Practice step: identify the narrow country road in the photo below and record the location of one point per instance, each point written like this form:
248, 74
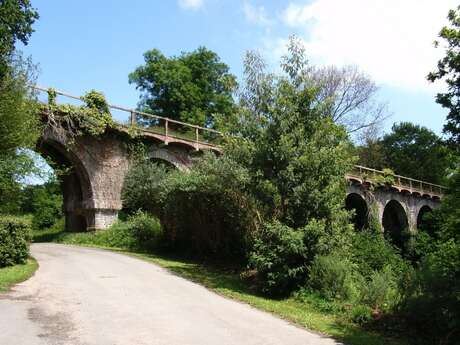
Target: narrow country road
86, 296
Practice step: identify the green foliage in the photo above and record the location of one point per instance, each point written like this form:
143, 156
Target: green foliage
449, 69
92, 119
142, 186
192, 87
361, 314
370, 252
416, 151
17, 17
140, 232
145, 230
333, 277
281, 258
14, 240
296, 157
207, 212
385, 180
44, 202
380, 291
12, 275
433, 298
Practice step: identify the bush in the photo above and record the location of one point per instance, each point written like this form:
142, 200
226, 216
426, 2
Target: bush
139, 232
380, 292
141, 189
370, 252
360, 314
207, 212
44, 202
432, 309
145, 230
14, 240
282, 255
333, 277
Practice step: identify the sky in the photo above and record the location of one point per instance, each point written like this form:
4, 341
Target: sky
82, 45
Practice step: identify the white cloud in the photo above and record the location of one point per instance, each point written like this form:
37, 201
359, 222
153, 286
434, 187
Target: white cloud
191, 4
392, 40
256, 14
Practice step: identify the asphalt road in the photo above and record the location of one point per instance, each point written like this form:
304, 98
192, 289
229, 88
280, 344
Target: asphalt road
87, 296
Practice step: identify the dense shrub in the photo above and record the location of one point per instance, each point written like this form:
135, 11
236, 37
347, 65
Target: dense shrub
207, 213
380, 291
14, 240
44, 202
282, 255
334, 277
141, 188
281, 258
139, 232
370, 252
145, 230
432, 309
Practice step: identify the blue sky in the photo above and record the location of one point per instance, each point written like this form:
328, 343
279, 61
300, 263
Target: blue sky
83, 45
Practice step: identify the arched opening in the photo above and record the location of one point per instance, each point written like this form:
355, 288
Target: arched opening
421, 217
395, 222
74, 181
356, 203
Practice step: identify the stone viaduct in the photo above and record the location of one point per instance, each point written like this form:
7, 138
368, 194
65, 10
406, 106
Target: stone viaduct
92, 187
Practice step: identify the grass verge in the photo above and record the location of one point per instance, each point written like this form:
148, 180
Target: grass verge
12, 275
309, 311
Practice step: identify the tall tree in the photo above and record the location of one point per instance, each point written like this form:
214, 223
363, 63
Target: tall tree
416, 151
191, 87
296, 157
19, 127
449, 70
350, 95
16, 19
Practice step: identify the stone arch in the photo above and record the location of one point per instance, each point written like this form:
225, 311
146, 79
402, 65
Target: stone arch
357, 203
420, 215
172, 157
395, 221
75, 183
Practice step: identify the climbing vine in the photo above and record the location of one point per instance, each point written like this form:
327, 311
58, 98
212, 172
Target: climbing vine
93, 118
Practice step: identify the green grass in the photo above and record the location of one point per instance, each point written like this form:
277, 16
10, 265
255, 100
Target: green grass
308, 312
12, 275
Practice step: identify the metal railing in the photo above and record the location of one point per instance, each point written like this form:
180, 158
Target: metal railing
398, 181
169, 129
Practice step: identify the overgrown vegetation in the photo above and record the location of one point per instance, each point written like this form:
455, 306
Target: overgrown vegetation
270, 209
15, 234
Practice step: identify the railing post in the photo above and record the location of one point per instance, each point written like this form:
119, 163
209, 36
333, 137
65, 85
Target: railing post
196, 134
166, 128
133, 118
410, 185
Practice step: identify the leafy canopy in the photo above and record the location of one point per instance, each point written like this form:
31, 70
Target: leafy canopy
297, 158
17, 17
449, 69
191, 87
416, 151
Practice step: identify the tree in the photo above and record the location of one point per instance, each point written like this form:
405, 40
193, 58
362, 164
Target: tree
416, 151
16, 19
351, 96
296, 157
19, 123
370, 149
191, 87
449, 69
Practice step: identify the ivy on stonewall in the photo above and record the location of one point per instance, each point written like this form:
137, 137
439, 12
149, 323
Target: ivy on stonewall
93, 118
